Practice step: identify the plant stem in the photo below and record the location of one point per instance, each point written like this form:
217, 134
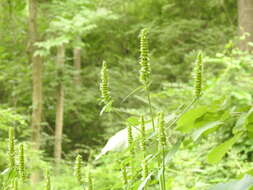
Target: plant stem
150, 108
161, 164
163, 168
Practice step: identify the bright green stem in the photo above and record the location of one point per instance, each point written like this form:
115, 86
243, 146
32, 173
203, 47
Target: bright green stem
163, 169
150, 108
161, 164
132, 170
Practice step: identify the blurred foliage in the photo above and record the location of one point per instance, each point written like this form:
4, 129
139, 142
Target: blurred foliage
108, 30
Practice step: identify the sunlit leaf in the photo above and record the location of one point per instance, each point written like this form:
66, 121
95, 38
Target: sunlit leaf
186, 122
199, 132
218, 152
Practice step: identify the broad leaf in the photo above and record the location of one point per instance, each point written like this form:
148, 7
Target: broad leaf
186, 122
218, 152
199, 132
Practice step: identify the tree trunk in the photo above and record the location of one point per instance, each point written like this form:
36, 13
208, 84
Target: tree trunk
77, 65
245, 23
77, 62
37, 66
59, 105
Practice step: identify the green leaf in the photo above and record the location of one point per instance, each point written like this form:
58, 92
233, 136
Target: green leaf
240, 124
143, 184
133, 121
218, 152
106, 108
243, 184
203, 130
249, 120
186, 122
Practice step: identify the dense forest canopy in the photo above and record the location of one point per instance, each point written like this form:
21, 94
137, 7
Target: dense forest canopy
167, 81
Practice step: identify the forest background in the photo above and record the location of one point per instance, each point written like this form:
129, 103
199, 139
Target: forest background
51, 54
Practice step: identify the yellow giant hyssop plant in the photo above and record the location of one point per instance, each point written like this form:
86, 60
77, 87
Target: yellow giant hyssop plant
127, 137
135, 139
146, 141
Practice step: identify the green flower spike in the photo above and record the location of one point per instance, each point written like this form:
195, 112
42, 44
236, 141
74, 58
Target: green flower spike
144, 58
198, 75
21, 162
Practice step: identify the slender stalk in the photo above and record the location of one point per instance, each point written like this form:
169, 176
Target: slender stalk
161, 148
163, 168
150, 108
131, 152
11, 153
124, 177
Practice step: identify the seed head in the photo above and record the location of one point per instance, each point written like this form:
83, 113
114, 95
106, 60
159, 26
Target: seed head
104, 85
21, 162
144, 58
130, 139
144, 169
198, 75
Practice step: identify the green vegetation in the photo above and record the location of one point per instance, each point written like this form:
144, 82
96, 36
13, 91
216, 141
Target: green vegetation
126, 95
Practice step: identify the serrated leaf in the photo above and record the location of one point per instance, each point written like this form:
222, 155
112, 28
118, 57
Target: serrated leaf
219, 151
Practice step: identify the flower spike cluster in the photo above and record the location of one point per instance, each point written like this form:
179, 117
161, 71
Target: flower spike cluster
21, 162
198, 75
104, 85
162, 133
144, 169
130, 139
144, 58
